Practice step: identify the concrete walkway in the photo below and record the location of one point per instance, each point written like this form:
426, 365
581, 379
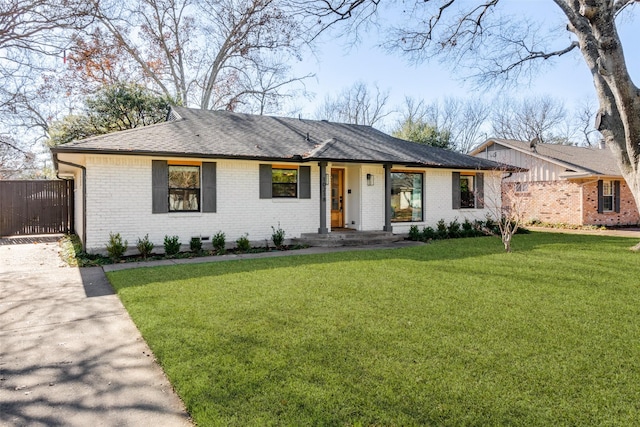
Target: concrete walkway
69, 353
274, 254
614, 232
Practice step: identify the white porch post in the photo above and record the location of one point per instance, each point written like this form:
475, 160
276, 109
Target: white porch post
323, 198
387, 198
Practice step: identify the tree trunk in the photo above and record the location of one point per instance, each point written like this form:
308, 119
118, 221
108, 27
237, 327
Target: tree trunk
593, 23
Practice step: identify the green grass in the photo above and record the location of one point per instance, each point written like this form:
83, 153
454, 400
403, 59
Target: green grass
452, 333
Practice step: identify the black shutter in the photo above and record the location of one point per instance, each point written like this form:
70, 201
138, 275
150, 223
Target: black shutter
600, 198
304, 182
208, 189
455, 189
616, 196
479, 190
160, 186
265, 181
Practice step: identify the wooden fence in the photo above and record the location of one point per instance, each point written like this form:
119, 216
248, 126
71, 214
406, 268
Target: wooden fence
36, 207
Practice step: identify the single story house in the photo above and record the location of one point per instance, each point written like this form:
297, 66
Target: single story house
202, 171
564, 184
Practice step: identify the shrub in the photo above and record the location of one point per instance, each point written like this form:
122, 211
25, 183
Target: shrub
453, 230
428, 233
442, 231
144, 246
195, 244
491, 226
171, 245
277, 237
116, 248
414, 233
467, 229
479, 228
243, 243
219, 242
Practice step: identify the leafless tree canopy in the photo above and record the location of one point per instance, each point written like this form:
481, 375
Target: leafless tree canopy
540, 118
213, 54
357, 104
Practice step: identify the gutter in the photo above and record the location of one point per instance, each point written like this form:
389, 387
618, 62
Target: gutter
57, 161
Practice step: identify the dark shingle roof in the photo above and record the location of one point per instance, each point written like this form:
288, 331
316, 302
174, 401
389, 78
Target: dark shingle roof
579, 159
223, 134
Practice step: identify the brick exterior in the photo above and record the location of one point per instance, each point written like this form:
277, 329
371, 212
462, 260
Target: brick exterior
119, 200
571, 202
628, 210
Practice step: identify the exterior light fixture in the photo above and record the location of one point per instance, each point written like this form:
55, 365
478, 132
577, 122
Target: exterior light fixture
370, 179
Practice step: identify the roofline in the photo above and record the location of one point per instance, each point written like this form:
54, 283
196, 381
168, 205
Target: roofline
582, 175
535, 154
293, 159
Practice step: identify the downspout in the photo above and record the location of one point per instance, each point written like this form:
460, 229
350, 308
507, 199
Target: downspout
84, 193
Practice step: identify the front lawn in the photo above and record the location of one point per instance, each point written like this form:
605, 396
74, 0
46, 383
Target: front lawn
456, 332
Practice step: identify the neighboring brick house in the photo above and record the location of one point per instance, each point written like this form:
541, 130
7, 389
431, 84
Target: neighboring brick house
201, 172
564, 184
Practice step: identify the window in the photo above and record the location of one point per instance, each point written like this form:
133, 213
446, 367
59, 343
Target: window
184, 188
277, 181
468, 190
284, 182
406, 196
521, 187
467, 195
608, 196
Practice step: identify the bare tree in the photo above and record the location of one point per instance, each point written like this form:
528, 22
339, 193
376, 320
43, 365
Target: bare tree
584, 118
210, 53
32, 34
496, 47
507, 204
538, 118
462, 120
357, 104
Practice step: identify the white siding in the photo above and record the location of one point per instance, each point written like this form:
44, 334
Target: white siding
539, 170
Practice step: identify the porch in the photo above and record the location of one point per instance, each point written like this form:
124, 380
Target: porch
337, 238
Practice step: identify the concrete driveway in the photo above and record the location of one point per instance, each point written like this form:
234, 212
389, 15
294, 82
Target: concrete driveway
70, 354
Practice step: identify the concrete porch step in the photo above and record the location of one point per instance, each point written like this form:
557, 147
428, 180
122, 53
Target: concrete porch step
347, 238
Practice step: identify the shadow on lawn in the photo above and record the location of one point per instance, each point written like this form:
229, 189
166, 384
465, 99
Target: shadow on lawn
442, 250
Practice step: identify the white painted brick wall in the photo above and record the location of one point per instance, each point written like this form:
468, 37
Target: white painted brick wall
119, 200
438, 200
372, 198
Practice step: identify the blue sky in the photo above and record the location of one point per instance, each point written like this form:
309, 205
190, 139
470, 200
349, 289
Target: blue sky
338, 66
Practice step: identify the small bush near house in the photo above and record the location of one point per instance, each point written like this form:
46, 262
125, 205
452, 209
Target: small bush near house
490, 226
171, 245
219, 242
428, 233
195, 244
442, 231
414, 233
277, 237
243, 243
116, 248
467, 229
144, 246
453, 231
